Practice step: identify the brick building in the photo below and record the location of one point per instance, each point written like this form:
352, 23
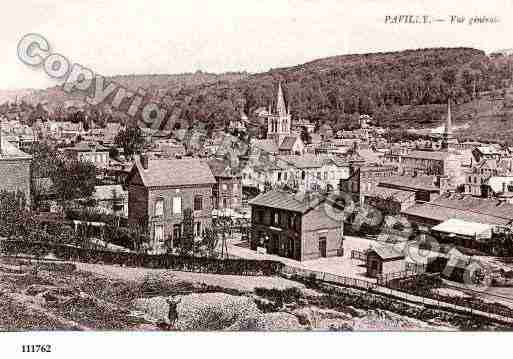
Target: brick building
293, 228
160, 190
15, 168
227, 192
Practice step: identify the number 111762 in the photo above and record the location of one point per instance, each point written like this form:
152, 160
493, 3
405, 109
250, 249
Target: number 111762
36, 348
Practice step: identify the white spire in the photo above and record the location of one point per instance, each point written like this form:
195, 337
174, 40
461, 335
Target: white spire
280, 104
448, 123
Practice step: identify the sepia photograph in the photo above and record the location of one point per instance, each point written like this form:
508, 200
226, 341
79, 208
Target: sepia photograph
318, 167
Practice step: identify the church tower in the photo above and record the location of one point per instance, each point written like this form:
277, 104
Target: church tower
448, 138
279, 120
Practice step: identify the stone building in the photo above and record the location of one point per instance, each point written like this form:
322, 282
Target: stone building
160, 190
15, 168
299, 229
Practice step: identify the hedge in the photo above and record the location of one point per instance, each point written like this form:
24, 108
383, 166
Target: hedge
164, 261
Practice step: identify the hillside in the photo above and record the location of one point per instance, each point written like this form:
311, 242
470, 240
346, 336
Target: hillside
155, 86
407, 88
400, 89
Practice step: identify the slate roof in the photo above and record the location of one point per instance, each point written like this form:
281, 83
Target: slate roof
386, 252
288, 142
173, 172
465, 207
220, 168
385, 193
267, 145
87, 147
283, 200
418, 182
309, 160
430, 155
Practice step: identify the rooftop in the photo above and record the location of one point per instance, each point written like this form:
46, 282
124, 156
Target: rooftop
283, 200
464, 207
426, 183
173, 172
461, 227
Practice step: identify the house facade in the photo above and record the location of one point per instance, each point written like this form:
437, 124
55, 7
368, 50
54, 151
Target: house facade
160, 190
90, 152
283, 225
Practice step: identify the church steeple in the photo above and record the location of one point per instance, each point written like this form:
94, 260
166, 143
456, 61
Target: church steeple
448, 122
447, 136
281, 109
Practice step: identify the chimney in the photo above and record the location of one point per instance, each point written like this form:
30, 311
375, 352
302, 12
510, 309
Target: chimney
144, 161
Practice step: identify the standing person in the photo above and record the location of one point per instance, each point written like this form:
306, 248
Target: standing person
173, 312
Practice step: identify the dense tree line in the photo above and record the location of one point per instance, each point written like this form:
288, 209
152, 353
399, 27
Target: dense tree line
332, 89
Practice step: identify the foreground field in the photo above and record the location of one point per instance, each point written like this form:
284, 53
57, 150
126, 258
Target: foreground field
67, 296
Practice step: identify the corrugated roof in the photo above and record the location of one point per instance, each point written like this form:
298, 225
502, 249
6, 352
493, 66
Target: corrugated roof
173, 172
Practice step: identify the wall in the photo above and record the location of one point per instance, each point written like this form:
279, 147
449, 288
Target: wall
316, 224
187, 194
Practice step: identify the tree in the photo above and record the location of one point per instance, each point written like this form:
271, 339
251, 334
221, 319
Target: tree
73, 179
113, 152
131, 139
210, 239
187, 239
305, 136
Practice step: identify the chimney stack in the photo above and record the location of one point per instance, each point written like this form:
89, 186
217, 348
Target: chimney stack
144, 161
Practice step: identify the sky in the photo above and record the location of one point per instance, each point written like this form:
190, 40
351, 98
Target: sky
168, 36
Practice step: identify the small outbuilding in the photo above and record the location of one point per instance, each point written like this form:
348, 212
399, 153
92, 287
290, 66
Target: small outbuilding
382, 260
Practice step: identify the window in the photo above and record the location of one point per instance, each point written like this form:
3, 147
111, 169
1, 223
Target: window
224, 187
177, 205
235, 188
198, 203
276, 218
225, 202
159, 233
303, 175
279, 176
159, 207
285, 176
198, 228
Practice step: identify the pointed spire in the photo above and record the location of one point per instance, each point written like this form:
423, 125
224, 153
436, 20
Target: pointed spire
448, 123
280, 104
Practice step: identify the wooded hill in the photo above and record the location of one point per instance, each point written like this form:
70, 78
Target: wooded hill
399, 89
